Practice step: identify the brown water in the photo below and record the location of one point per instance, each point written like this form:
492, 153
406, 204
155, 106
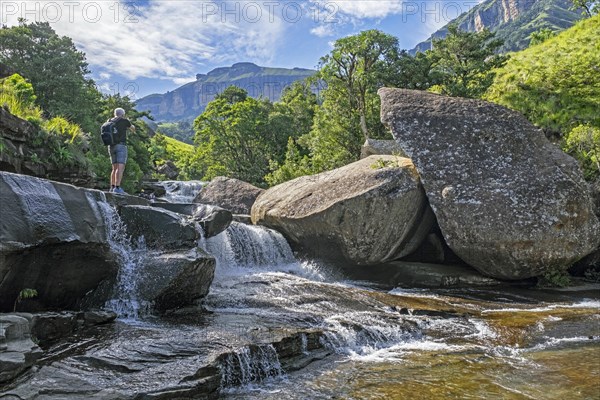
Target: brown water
527, 344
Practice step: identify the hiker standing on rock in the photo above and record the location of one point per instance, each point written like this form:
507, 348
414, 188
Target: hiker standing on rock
118, 150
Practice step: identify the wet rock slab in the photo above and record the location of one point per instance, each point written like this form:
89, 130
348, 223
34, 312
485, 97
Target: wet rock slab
17, 350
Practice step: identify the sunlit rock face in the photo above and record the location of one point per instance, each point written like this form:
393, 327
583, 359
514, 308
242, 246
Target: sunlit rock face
508, 202
371, 211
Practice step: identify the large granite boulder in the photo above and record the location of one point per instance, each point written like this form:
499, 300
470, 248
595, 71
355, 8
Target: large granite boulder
229, 193
17, 351
368, 212
53, 238
508, 202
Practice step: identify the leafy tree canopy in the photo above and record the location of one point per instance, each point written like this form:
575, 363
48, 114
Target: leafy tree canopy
54, 67
463, 62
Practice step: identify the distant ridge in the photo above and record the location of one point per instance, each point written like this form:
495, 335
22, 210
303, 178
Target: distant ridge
511, 20
189, 100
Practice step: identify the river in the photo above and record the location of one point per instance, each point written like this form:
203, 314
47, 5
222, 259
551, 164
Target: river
274, 327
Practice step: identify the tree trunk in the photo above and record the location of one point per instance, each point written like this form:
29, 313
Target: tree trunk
363, 125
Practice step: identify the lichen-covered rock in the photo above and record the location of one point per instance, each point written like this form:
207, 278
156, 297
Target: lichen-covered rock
368, 212
508, 202
229, 193
17, 136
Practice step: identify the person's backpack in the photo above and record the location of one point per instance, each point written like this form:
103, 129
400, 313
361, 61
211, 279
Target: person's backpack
108, 132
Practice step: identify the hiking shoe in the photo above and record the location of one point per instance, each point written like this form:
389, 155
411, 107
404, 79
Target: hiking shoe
111, 190
119, 190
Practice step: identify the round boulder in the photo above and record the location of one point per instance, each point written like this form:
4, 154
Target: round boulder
367, 212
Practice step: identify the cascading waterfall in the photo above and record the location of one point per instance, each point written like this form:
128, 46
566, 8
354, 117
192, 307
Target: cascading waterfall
181, 191
245, 247
362, 333
126, 301
250, 364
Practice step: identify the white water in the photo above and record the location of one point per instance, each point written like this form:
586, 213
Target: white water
244, 249
181, 191
126, 301
250, 365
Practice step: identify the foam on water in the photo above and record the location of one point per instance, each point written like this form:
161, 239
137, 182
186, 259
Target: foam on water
250, 364
181, 191
242, 249
586, 303
126, 301
552, 342
362, 333
398, 352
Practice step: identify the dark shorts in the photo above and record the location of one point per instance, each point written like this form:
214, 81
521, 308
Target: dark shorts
118, 153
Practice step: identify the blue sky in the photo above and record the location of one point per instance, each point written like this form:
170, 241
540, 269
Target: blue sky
144, 47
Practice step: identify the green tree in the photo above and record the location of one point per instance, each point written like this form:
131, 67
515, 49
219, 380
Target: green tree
56, 69
541, 36
294, 113
238, 136
414, 72
589, 7
463, 62
351, 74
356, 67
232, 94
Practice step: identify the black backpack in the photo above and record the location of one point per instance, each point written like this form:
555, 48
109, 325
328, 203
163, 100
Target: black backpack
108, 132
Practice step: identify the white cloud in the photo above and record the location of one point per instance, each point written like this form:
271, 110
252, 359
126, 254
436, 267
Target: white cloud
331, 11
369, 9
162, 39
323, 31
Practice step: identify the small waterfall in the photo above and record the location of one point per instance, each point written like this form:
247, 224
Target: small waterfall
250, 364
181, 191
126, 302
362, 333
248, 246
245, 247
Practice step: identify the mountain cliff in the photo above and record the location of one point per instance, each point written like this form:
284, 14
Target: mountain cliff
189, 100
511, 20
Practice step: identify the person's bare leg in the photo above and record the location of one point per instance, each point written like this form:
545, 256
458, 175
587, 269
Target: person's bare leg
113, 175
120, 168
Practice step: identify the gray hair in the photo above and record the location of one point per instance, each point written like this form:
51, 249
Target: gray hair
119, 112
